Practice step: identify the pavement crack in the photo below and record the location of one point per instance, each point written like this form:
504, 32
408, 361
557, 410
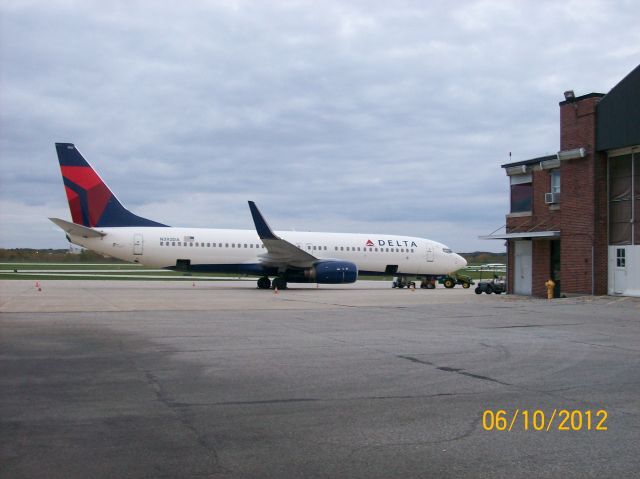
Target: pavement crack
180, 415
515, 326
453, 370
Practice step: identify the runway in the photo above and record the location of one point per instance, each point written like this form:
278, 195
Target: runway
147, 379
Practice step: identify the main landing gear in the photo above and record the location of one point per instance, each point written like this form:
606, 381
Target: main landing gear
266, 283
404, 282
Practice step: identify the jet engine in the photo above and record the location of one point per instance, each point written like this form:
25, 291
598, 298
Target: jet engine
325, 272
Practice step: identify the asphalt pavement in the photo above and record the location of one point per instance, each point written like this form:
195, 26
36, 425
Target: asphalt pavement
221, 380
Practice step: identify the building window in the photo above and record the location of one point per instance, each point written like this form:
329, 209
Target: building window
555, 181
620, 198
621, 259
521, 193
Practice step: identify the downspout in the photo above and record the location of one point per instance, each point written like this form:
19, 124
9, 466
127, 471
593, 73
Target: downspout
593, 272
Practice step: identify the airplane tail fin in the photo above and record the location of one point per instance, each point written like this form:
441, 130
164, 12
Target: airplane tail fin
91, 202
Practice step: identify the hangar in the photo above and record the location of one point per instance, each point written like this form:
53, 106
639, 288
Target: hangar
575, 216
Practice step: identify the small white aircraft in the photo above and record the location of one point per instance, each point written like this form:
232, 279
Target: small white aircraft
102, 224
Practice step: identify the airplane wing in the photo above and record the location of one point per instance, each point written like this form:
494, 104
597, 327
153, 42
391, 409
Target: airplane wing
77, 230
280, 252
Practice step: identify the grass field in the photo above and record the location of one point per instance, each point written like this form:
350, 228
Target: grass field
102, 271
119, 271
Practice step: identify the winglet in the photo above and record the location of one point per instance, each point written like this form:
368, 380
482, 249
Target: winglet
263, 229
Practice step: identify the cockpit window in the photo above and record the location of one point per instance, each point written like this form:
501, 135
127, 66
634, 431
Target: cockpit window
447, 250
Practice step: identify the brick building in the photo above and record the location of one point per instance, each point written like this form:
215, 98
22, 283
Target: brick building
575, 215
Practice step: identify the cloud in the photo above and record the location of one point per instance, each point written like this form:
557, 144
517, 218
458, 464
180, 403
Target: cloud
355, 115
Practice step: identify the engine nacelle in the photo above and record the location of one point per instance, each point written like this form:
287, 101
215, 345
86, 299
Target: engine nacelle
325, 272
335, 272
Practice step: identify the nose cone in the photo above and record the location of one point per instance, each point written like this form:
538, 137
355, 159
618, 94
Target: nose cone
460, 262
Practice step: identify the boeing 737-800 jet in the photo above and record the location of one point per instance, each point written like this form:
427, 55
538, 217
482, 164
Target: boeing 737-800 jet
102, 224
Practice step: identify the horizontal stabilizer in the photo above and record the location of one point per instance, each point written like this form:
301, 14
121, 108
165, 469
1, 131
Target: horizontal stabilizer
77, 230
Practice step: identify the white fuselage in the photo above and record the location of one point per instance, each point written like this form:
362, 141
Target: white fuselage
240, 250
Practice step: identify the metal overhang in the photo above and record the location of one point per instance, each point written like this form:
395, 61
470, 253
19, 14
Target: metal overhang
526, 235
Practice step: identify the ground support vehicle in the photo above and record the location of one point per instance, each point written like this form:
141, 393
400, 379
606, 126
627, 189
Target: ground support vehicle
493, 282
451, 280
428, 282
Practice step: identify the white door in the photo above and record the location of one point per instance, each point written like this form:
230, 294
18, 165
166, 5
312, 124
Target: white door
522, 267
620, 270
137, 244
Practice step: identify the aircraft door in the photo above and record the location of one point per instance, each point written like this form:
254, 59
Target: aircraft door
137, 244
430, 254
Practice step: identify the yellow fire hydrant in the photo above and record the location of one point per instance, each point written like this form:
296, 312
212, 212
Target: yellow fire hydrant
550, 285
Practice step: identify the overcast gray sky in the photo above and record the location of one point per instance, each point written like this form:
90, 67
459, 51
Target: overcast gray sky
355, 116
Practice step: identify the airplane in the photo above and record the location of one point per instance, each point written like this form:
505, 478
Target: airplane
101, 223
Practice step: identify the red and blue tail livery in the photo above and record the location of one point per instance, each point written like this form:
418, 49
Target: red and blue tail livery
91, 202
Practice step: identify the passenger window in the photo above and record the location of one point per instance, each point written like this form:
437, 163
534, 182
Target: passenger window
209, 245
336, 248
173, 243
341, 248
161, 244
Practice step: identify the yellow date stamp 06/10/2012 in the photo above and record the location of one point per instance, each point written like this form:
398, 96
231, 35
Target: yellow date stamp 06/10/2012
539, 420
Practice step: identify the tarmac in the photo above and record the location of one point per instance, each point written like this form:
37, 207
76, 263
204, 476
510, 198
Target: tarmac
221, 380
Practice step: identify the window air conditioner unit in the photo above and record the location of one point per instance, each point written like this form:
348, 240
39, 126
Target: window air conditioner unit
551, 198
